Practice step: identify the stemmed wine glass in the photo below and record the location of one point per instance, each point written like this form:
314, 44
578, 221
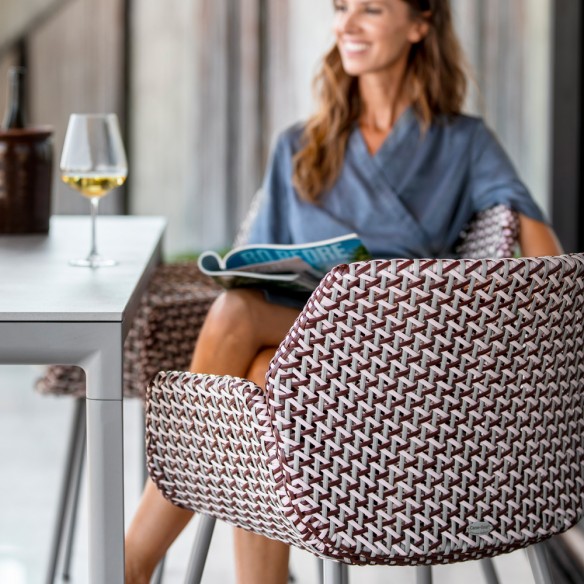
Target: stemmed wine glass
93, 162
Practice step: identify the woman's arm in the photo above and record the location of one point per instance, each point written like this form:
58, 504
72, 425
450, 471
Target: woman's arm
537, 238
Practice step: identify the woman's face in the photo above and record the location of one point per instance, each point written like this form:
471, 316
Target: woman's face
375, 35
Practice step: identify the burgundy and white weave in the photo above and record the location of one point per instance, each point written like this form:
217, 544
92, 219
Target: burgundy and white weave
163, 333
493, 233
418, 411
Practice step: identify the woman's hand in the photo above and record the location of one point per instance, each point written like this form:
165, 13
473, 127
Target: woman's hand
537, 238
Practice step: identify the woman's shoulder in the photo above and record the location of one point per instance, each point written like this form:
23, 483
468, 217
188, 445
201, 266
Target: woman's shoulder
468, 131
462, 124
289, 140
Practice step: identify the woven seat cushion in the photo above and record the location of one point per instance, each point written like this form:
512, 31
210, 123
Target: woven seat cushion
421, 411
163, 333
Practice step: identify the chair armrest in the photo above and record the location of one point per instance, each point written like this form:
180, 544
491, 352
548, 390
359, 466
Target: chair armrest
210, 448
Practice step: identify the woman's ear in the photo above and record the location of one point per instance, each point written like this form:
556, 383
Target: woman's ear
420, 28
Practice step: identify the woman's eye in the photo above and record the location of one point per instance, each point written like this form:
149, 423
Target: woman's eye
340, 8
372, 10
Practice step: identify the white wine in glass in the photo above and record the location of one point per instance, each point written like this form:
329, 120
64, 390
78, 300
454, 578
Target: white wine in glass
93, 162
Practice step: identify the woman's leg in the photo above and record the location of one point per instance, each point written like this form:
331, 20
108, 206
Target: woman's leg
239, 324
258, 559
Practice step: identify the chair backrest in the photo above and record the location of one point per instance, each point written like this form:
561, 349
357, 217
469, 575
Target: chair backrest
433, 410
492, 233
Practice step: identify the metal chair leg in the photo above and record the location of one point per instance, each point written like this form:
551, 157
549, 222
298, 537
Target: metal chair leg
64, 497
74, 505
159, 572
537, 555
489, 572
345, 574
200, 549
423, 574
332, 572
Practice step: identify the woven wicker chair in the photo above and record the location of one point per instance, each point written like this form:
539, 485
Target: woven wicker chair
418, 412
164, 331
164, 334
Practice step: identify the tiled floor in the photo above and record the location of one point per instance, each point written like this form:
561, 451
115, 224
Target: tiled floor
33, 435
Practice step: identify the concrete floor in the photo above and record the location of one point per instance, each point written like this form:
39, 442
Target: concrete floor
33, 437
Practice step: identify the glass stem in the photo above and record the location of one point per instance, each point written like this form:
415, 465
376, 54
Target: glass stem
94, 205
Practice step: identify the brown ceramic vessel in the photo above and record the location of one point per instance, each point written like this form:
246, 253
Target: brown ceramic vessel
26, 165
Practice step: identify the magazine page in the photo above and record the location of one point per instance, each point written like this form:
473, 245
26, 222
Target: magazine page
297, 268
321, 255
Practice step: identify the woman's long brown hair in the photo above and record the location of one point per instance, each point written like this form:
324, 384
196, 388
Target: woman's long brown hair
435, 82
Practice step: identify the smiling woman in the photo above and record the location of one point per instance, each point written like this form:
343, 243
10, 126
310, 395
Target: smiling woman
388, 155
389, 54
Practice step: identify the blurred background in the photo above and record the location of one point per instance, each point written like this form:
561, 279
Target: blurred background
203, 86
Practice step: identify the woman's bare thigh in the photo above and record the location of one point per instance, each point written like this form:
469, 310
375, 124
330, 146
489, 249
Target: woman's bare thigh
239, 324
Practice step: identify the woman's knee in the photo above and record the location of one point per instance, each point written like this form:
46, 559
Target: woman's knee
233, 313
260, 365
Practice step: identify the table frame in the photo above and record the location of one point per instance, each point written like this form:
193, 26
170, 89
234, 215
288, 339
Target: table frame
97, 347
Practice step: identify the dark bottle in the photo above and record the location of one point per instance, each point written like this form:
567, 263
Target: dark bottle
15, 117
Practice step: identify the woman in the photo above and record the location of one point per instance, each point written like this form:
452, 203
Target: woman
389, 156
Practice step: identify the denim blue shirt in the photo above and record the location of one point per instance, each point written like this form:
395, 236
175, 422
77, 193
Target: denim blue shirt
410, 199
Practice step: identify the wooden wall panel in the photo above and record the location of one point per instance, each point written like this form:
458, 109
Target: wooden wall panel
508, 45
19, 17
212, 127
76, 66
251, 155
164, 45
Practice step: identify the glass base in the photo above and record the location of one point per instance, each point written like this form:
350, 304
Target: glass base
93, 261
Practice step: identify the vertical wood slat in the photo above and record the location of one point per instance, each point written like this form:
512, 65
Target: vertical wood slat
212, 123
508, 48
76, 66
280, 81
251, 155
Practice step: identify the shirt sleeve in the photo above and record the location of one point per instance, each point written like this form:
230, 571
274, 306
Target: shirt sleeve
493, 179
270, 223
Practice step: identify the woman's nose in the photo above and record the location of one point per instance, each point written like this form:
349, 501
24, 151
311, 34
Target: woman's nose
349, 22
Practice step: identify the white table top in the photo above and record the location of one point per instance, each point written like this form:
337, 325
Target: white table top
38, 284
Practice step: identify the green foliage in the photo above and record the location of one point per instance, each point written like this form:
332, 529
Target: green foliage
360, 254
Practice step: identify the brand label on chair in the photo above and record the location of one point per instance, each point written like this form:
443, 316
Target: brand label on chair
479, 528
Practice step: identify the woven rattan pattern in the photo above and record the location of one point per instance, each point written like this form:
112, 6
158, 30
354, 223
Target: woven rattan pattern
210, 447
411, 402
492, 233
417, 401
163, 333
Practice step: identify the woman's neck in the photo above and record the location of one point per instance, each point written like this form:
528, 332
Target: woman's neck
383, 99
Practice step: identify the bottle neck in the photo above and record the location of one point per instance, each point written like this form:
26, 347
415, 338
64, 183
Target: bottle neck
14, 117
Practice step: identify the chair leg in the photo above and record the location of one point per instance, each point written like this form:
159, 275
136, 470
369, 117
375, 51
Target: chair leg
423, 574
537, 555
74, 505
489, 572
345, 574
159, 572
200, 549
64, 497
332, 572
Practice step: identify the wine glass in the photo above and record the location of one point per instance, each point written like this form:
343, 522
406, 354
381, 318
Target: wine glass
93, 162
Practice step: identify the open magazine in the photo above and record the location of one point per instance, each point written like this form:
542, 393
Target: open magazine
294, 268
